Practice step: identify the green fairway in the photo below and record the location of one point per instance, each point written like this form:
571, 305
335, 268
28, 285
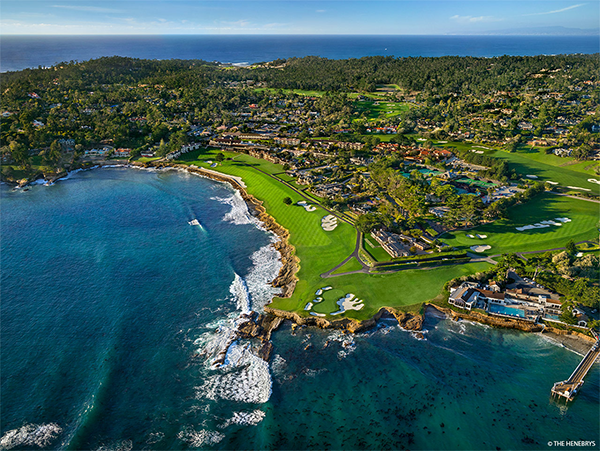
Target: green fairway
380, 109
503, 237
398, 290
319, 251
550, 168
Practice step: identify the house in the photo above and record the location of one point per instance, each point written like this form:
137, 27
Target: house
122, 153
147, 153
466, 296
391, 243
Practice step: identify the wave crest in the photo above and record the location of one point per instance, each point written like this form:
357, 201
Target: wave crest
40, 435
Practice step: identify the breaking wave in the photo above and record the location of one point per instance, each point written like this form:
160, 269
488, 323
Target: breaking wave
266, 265
122, 445
244, 377
239, 213
40, 435
244, 419
200, 438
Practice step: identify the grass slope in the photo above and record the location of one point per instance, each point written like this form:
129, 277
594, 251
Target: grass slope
503, 237
401, 290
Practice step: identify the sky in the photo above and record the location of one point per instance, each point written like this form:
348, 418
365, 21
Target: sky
392, 17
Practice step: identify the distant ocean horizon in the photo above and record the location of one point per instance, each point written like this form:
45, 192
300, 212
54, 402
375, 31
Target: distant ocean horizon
29, 51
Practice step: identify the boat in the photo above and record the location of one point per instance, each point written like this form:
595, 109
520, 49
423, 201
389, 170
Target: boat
194, 222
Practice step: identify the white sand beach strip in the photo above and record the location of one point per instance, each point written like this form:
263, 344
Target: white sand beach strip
480, 248
329, 223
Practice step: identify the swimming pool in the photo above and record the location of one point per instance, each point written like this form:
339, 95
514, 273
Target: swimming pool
502, 309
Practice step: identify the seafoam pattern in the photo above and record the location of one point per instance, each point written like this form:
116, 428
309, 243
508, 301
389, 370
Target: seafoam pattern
40, 435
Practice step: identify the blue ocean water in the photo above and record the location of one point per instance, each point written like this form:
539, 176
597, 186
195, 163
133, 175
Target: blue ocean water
20, 52
114, 307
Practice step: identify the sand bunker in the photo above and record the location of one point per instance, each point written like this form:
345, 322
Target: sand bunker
307, 207
481, 237
543, 224
329, 223
317, 314
529, 176
579, 188
594, 181
480, 248
348, 302
551, 182
308, 306
470, 236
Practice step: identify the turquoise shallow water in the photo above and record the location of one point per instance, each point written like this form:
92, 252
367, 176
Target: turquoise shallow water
113, 308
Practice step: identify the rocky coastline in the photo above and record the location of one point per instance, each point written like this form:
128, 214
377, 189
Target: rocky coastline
260, 326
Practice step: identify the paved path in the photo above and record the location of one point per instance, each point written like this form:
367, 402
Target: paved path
354, 254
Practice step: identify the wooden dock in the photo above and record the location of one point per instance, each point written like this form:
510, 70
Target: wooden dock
568, 389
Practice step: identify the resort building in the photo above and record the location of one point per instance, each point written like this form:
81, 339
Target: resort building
391, 243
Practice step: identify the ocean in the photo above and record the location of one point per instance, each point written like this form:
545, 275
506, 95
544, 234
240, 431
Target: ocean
114, 307
20, 52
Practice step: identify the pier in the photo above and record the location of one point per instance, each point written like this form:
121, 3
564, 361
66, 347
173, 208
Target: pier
568, 389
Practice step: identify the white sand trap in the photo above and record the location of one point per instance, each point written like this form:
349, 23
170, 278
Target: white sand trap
326, 288
529, 176
442, 142
470, 236
307, 206
348, 302
317, 314
308, 306
483, 147
579, 188
329, 223
481, 237
319, 292
318, 299
543, 224
594, 181
579, 254
551, 182
480, 248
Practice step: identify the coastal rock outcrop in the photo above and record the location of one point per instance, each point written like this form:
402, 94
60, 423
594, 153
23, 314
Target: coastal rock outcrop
507, 323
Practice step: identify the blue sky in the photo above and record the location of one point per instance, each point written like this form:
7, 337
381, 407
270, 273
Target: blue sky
291, 17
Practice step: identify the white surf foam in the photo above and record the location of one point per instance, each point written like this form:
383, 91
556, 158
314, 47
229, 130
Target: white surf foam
40, 435
244, 419
200, 438
239, 291
243, 378
266, 265
122, 445
239, 213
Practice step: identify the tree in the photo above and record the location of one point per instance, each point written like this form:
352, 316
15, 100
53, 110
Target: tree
287, 200
220, 157
19, 153
571, 248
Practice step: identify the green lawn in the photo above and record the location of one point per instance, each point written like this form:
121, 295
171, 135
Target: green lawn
376, 251
350, 265
399, 290
503, 237
549, 168
319, 251
301, 92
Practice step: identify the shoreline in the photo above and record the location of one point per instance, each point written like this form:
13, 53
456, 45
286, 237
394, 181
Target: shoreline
286, 279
